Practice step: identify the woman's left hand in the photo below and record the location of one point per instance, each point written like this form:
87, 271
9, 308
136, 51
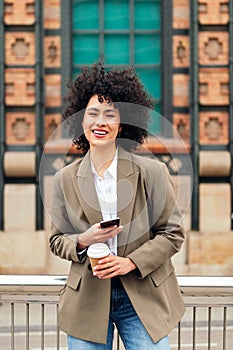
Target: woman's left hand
113, 266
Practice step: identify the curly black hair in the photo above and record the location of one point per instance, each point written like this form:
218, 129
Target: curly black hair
123, 88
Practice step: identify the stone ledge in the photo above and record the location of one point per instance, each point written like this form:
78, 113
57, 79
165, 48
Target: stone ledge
210, 248
23, 252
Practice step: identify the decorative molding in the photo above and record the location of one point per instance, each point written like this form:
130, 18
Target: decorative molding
52, 14
213, 128
52, 122
19, 12
213, 48
181, 51
20, 128
53, 90
20, 48
182, 124
181, 14
216, 13
20, 87
181, 90
214, 86
52, 51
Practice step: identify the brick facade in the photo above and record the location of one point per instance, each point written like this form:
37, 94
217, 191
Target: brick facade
213, 14
34, 103
19, 12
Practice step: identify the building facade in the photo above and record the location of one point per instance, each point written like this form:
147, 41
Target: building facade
182, 51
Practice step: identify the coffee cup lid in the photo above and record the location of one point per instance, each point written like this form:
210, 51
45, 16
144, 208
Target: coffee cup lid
98, 250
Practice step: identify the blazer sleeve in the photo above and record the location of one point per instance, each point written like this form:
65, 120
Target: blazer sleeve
167, 229
63, 239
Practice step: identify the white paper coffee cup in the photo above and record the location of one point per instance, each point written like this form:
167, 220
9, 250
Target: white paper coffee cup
96, 252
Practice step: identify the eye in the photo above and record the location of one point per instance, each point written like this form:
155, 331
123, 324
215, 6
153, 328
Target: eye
110, 115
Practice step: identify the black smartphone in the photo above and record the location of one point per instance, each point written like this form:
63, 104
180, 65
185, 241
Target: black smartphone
108, 223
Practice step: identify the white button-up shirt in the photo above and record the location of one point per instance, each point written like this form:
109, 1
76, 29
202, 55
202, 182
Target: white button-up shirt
106, 189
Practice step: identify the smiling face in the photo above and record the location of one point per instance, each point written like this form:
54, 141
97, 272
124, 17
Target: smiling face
101, 123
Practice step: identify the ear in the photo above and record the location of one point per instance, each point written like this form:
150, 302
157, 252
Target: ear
119, 131
82, 123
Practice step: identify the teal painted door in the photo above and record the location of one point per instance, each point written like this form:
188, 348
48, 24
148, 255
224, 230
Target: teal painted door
123, 32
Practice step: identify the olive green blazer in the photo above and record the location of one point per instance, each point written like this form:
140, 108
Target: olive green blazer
152, 234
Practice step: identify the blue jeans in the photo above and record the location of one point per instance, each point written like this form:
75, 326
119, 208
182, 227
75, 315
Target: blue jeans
130, 328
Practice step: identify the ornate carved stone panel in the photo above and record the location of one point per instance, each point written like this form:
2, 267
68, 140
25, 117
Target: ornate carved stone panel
181, 90
214, 86
181, 49
213, 12
52, 51
52, 14
20, 86
20, 48
182, 124
213, 128
181, 14
20, 128
52, 121
213, 48
19, 12
53, 90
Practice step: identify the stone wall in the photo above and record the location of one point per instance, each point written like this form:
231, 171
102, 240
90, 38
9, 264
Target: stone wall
24, 246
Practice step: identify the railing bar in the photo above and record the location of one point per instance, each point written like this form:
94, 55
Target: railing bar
42, 326
179, 336
224, 327
20, 301
209, 327
208, 305
58, 332
12, 326
194, 304
27, 326
194, 328
187, 304
207, 300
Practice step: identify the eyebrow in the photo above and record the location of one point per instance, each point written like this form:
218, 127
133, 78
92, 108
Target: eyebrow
97, 110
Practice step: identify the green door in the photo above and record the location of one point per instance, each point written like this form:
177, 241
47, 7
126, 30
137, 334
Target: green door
123, 32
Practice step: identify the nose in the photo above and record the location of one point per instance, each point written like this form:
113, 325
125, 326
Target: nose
100, 121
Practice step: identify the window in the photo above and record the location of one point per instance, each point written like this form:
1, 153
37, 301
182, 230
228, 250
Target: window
123, 32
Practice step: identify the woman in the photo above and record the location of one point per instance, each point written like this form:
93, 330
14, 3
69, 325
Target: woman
134, 288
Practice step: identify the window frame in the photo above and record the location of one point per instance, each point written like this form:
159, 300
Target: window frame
166, 51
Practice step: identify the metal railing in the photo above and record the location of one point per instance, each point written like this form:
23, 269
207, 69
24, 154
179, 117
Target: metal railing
28, 314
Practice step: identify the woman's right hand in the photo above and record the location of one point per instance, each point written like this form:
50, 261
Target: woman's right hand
96, 234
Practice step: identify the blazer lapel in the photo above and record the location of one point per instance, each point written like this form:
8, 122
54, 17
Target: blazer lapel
127, 180
86, 192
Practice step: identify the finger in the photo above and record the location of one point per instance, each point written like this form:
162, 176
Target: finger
108, 229
106, 272
109, 275
112, 228
108, 259
102, 267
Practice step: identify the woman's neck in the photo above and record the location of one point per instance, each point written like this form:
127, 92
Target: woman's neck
102, 158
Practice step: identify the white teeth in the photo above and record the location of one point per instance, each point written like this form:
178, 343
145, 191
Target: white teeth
98, 132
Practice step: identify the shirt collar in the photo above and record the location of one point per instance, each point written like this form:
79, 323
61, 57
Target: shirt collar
111, 170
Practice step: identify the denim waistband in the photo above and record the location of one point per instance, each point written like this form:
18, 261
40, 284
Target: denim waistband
116, 283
